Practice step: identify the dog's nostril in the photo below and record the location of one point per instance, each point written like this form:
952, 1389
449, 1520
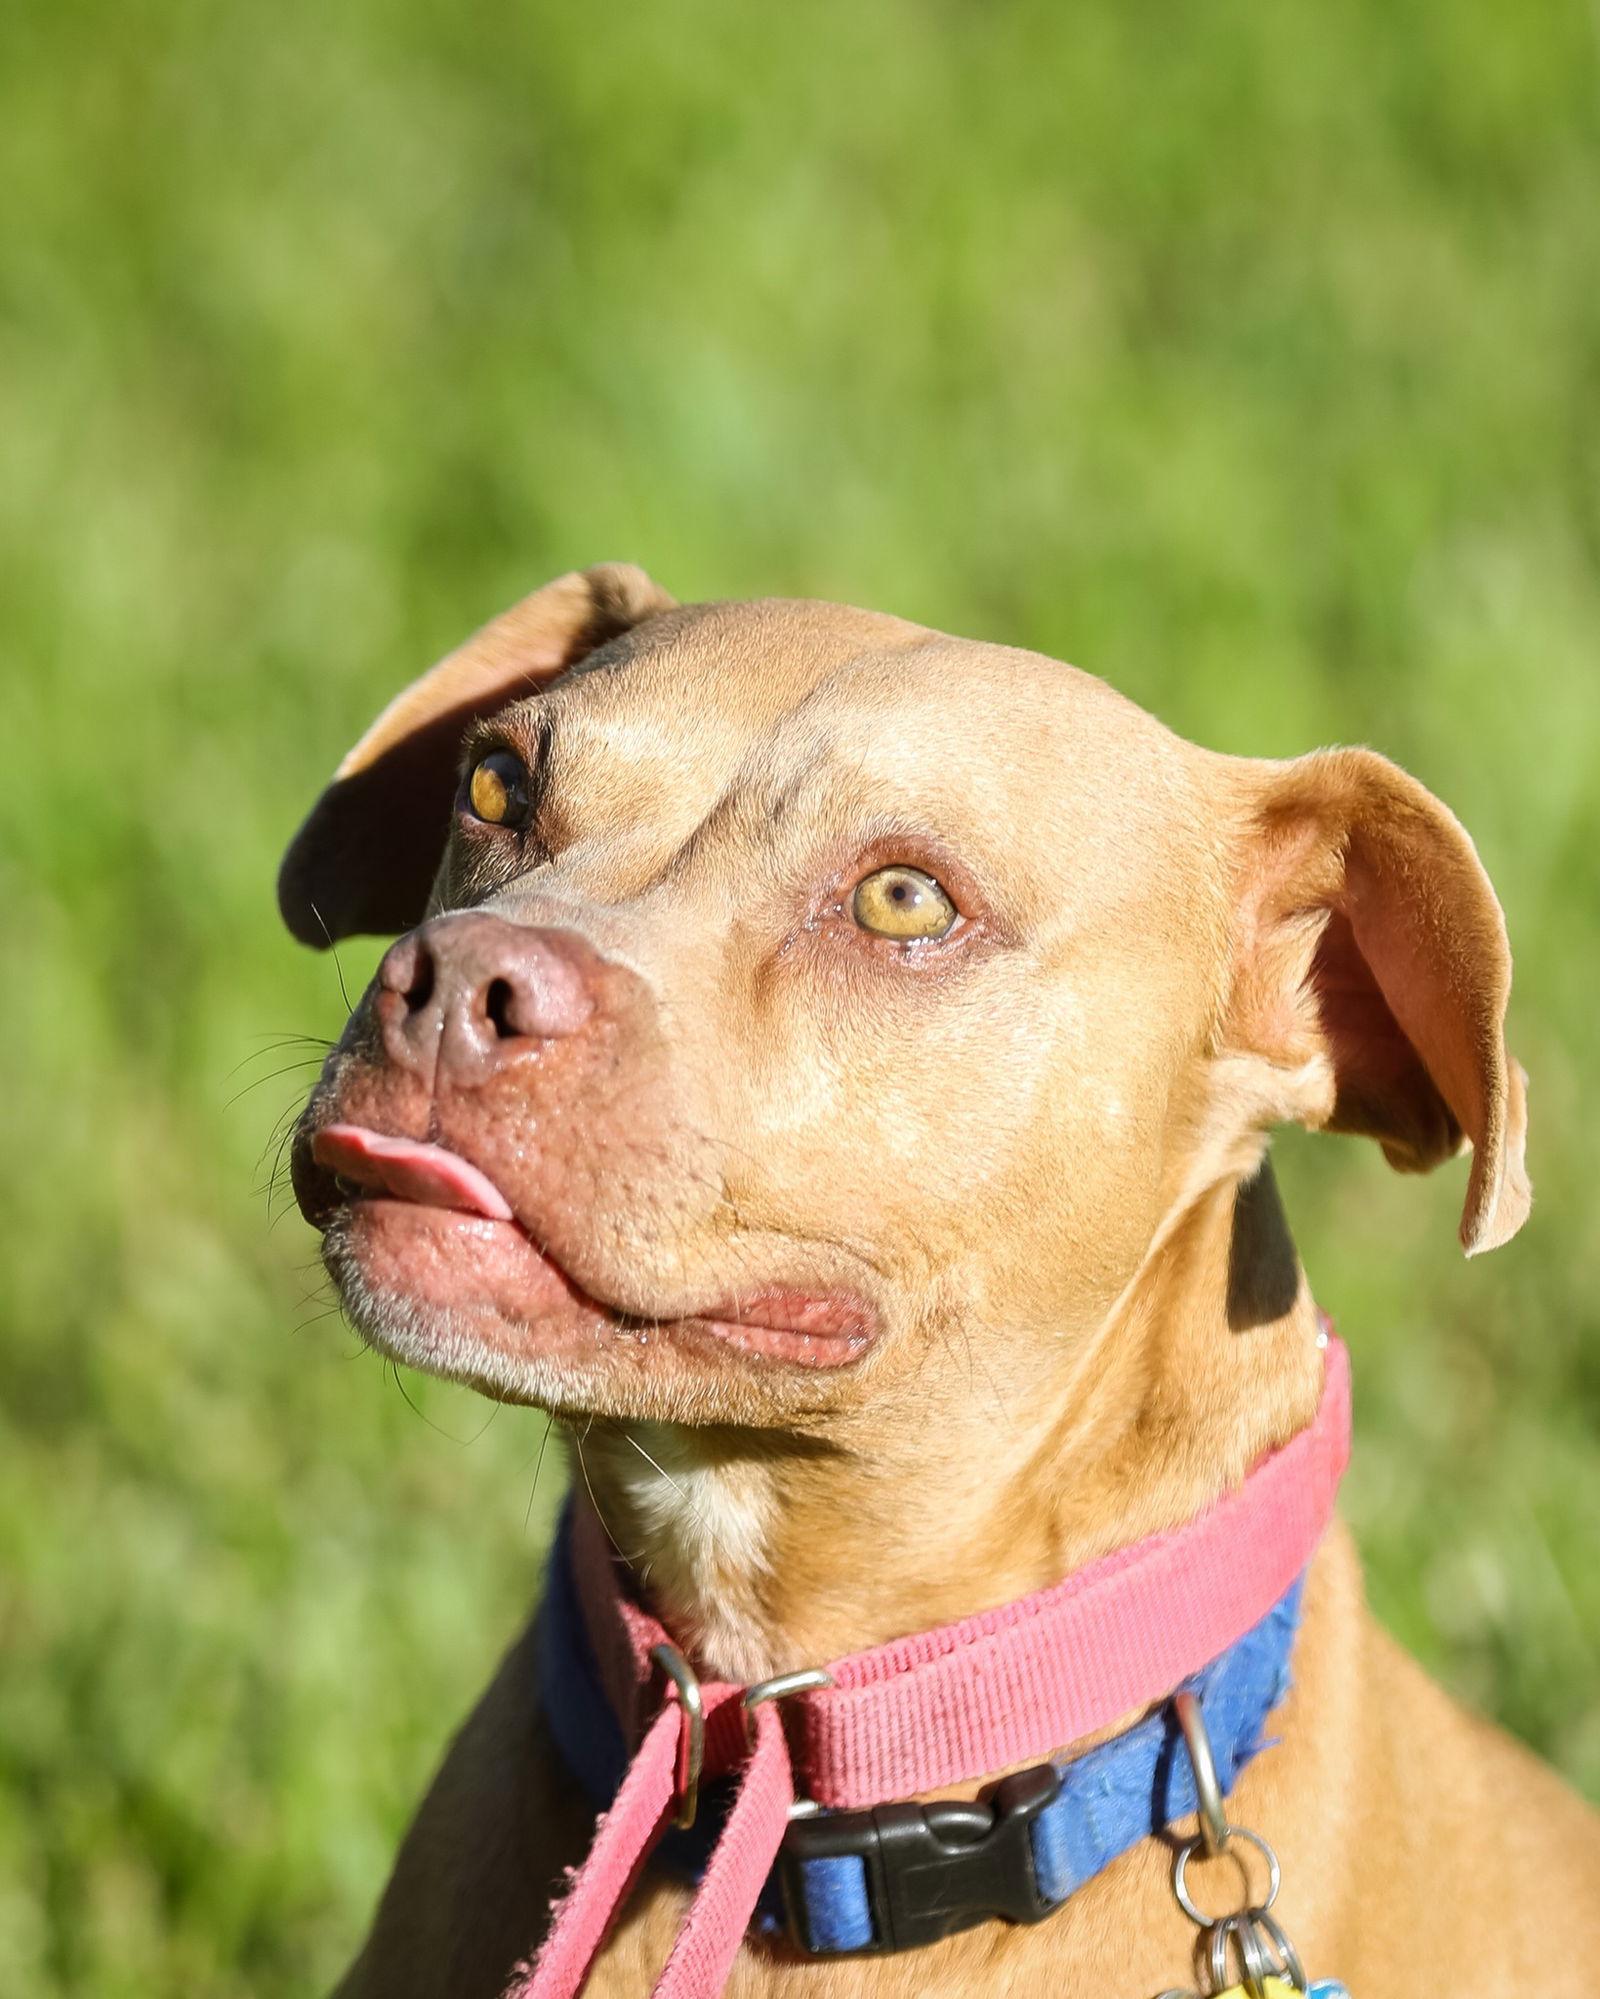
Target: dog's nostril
497, 1007
420, 990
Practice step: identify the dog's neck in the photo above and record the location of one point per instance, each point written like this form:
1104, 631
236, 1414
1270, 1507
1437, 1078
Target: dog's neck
763, 1552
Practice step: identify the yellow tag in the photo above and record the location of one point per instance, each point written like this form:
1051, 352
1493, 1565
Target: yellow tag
1274, 1988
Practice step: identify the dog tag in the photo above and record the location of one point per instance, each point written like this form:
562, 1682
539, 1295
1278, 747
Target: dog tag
1280, 1988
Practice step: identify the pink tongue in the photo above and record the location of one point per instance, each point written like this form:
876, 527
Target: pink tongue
411, 1171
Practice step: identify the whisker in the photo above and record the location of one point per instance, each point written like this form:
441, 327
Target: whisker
288, 1069
549, 1421
333, 946
273, 1044
494, 1410
583, 1467
662, 1472
316, 1319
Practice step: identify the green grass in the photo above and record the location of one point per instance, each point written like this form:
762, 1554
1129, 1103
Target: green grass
1249, 356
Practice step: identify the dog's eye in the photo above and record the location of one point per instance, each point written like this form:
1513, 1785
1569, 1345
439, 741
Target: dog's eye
903, 903
498, 789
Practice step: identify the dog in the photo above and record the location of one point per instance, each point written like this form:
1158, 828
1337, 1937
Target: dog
829, 1065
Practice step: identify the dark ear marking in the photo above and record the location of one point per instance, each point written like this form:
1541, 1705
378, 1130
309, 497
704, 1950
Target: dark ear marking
1263, 1267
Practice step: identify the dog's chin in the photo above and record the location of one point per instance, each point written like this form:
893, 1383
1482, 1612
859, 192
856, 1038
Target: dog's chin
476, 1301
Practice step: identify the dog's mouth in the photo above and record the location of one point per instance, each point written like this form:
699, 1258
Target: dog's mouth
428, 1227
367, 1163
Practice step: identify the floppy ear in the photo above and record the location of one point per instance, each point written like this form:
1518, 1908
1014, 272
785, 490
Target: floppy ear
1374, 971
366, 856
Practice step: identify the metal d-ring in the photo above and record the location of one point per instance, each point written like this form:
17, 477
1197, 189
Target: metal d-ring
1207, 1788
778, 1688
1256, 1937
691, 1731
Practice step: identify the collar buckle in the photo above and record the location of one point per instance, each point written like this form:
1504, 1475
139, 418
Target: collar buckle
929, 1870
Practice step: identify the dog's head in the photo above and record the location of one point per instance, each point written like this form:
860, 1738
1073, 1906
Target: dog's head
792, 991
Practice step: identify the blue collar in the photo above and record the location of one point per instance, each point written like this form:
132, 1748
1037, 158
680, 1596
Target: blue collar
1101, 1804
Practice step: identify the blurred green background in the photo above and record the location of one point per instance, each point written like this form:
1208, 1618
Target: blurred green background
1249, 356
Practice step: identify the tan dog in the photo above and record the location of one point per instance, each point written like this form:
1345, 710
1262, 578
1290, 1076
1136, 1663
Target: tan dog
874, 1036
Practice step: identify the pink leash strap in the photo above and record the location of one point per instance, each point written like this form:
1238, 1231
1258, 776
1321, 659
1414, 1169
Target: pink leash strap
1009, 1686
709, 1941
622, 1842
740, 1862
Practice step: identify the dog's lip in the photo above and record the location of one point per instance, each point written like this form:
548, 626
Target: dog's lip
409, 1170
780, 1322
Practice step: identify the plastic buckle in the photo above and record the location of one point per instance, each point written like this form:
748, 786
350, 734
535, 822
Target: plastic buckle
930, 1869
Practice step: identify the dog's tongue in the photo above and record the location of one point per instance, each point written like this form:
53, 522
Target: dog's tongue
409, 1170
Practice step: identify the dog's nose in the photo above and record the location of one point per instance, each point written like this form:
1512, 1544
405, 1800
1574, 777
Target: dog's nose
463, 995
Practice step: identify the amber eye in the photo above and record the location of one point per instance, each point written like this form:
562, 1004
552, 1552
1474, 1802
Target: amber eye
498, 789
903, 903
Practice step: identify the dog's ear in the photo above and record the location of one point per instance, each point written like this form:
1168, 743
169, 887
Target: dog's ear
1373, 973
366, 856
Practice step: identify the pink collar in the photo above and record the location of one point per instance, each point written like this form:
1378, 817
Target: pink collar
948, 1706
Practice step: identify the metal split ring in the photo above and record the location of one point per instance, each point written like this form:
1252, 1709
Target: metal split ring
1254, 1968
1288, 1966
1264, 1952
1195, 1844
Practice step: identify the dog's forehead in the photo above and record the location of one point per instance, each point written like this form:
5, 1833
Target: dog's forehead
858, 711
796, 729
741, 666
